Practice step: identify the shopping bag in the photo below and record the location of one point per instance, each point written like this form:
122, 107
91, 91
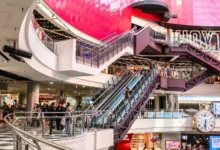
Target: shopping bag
63, 121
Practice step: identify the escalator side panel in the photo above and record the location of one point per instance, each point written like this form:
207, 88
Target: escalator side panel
125, 124
109, 95
110, 98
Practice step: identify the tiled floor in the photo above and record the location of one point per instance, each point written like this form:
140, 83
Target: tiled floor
6, 140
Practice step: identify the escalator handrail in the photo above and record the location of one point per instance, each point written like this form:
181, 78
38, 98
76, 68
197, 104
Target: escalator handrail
115, 94
131, 88
144, 77
105, 92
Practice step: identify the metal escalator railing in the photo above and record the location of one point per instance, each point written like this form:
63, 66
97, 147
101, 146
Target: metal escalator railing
31, 130
188, 39
124, 106
103, 94
111, 98
176, 41
117, 99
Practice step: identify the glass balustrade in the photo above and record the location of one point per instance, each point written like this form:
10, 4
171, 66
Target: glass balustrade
104, 94
37, 130
45, 39
97, 56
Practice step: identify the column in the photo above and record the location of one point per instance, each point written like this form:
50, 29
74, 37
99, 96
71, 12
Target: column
157, 103
177, 101
33, 91
22, 98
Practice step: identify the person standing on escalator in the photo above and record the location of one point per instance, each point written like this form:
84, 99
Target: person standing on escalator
127, 94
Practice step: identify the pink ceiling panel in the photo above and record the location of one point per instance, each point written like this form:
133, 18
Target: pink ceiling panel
99, 18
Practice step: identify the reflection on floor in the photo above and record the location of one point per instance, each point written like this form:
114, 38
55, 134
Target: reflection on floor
6, 140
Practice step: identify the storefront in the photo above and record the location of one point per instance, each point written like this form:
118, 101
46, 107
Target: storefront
200, 142
141, 141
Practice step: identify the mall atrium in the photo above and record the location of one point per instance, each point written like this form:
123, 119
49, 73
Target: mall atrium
109, 75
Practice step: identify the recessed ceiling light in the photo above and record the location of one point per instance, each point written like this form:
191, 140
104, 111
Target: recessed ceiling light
22, 71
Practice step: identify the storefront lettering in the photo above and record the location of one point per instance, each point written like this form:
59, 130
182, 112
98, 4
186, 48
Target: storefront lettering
207, 40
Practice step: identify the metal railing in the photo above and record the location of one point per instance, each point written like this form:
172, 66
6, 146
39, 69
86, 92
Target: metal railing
176, 41
45, 39
102, 94
137, 91
179, 113
98, 56
31, 131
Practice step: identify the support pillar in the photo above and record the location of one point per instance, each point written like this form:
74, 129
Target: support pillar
157, 103
33, 91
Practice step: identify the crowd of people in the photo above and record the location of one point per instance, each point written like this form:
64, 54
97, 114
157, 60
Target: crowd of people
164, 71
59, 116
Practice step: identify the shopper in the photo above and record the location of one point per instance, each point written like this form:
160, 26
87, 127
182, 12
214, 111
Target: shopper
69, 122
60, 113
5, 109
94, 115
127, 93
51, 110
36, 115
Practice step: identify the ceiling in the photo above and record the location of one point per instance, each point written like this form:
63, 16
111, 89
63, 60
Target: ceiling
47, 87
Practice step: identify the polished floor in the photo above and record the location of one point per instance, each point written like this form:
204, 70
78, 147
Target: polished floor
6, 140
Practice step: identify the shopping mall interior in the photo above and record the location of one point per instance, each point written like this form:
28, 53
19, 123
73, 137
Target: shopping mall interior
109, 75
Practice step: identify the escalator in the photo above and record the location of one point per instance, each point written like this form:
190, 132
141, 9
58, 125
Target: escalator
116, 99
123, 112
104, 95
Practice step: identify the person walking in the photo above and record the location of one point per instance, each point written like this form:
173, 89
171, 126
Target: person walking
51, 110
69, 122
94, 115
5, 109
36, 116
58, 118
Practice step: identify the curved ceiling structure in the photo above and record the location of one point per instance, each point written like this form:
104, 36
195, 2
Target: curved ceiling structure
99, 18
